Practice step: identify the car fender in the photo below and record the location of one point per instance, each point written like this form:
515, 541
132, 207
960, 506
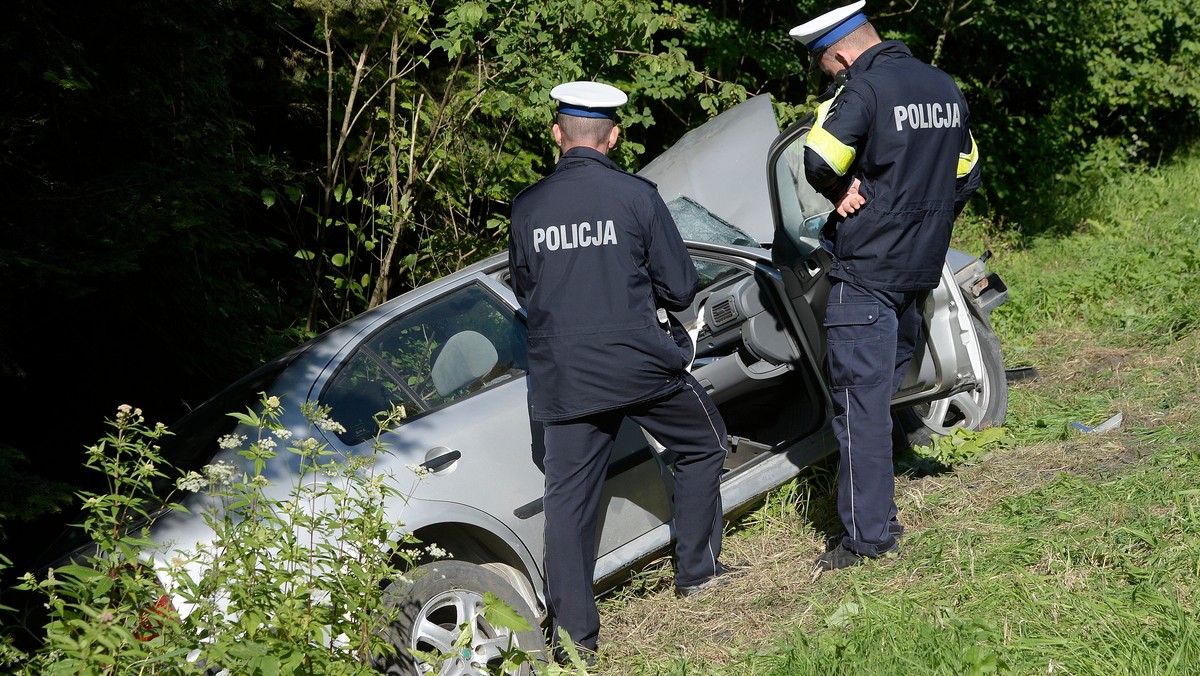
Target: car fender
470, 534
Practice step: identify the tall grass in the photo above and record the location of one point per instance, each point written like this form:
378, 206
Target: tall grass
1066, 552
1129, 274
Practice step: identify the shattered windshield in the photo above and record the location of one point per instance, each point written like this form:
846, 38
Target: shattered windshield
698, 224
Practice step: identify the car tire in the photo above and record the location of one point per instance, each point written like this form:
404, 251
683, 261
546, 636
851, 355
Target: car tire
984, 406
434, 602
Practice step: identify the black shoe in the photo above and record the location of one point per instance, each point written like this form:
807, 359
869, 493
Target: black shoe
586, 657
724, 574
838, 557
895, 529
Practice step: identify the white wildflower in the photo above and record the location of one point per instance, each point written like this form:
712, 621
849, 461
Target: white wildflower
127, 413
231, 442
283, 433
373, 491
219, 473
437, 552
192, 482
266, 444
419, 470
325, 424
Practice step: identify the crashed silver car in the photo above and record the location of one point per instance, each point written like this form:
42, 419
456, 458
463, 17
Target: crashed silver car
453, 353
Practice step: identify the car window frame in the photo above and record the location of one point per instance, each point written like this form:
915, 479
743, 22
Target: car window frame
500, 304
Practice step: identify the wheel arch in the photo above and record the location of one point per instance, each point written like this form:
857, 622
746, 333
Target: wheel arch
474, 537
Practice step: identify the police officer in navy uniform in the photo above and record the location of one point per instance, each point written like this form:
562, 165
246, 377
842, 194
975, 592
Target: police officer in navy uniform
891, 149
594, 255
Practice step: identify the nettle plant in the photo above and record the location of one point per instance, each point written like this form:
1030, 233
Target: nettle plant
283, 585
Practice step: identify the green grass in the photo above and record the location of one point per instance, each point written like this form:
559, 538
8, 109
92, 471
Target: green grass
1062, 552
1128, 276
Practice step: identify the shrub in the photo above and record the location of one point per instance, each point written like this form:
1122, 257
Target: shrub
282, 585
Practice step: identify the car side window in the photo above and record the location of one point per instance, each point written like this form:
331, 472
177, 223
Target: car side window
803, 211
443, 351
710, 272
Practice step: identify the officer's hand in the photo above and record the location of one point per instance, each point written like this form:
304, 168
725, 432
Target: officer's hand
852, 201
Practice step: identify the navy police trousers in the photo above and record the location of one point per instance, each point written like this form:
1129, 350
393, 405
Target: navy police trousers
577, 455
871, 336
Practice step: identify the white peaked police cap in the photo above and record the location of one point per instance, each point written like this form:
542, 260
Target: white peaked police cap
588, 99
830, 27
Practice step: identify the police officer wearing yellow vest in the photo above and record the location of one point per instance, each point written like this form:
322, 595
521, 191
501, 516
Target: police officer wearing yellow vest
894, 154
594, 254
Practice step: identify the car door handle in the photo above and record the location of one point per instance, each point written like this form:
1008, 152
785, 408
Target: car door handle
440, 462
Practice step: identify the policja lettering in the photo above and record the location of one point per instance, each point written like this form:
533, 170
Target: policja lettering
578, 235
926, 115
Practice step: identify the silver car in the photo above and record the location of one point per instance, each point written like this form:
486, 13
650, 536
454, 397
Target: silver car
453, 353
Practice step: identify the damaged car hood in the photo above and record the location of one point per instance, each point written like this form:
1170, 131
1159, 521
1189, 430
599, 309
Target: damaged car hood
722, 165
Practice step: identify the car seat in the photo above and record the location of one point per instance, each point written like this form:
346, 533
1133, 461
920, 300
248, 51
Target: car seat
466, 357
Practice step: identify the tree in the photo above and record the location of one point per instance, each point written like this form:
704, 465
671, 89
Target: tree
437, 113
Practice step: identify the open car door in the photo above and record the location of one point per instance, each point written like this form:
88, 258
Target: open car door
956, 377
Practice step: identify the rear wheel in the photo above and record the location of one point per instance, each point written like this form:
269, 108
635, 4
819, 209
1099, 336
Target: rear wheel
984, 406
435, 605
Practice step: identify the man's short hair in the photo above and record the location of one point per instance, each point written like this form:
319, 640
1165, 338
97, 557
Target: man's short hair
587, 131
863, 37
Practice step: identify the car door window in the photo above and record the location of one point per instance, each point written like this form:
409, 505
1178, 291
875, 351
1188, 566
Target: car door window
711, 272
802, 210
459, 344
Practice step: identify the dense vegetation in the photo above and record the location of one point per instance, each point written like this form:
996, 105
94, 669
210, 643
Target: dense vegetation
189, 188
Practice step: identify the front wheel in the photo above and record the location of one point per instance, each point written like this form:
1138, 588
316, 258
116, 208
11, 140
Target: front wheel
437, 604
984, 406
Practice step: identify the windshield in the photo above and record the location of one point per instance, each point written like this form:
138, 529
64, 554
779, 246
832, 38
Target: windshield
698, 224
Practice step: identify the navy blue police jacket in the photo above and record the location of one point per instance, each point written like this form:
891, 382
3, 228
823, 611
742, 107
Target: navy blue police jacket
899, 126
593, 252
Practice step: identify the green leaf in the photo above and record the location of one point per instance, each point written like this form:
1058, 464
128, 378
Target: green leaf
842, 616
500, 614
